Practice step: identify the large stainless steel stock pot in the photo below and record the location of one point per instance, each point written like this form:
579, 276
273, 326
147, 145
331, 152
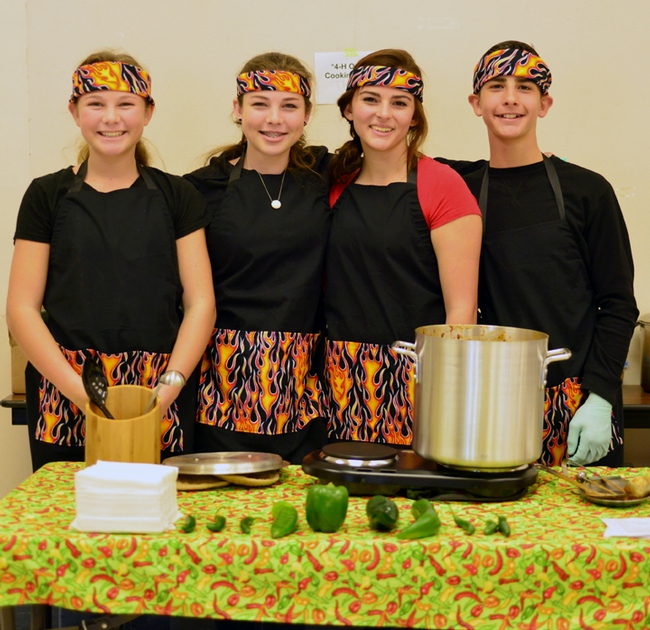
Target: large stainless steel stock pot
479, 394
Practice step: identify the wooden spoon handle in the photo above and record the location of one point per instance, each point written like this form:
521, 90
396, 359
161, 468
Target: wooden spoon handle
575, 482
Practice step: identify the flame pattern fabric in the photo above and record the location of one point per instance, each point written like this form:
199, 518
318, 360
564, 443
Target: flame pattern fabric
560, 405
62, 423
111, 75
512, 62
259, 382
277, 80
385, 76
370, 390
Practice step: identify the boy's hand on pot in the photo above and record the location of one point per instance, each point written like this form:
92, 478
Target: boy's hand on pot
590, 431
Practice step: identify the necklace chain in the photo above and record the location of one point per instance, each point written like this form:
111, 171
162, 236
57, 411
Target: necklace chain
276, 204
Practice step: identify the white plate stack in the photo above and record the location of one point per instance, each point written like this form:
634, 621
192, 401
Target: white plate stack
126, 498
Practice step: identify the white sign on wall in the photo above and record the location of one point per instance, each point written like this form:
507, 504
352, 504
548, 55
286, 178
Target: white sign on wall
332, 72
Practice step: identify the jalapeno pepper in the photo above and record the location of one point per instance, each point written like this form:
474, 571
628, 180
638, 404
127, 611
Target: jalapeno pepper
285, 519
463, 524
504, 528
188, 524
217, 524
426, 524
382, 513
326, 507
245, 524
490, 527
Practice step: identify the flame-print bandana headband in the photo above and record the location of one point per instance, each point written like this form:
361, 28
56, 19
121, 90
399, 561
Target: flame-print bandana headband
512, 62
278, 80
111, 75
385, 76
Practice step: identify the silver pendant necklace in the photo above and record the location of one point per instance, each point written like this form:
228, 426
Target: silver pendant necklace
276, 204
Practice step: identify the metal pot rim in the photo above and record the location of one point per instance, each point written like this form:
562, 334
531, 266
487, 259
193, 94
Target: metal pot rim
481, 332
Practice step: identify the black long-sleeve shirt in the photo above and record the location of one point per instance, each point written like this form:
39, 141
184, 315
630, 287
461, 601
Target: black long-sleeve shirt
522, 197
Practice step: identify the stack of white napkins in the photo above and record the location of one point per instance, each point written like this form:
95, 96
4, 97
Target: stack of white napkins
128, 498
629, 527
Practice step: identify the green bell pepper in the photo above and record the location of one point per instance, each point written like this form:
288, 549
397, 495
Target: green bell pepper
326, 507
382, 513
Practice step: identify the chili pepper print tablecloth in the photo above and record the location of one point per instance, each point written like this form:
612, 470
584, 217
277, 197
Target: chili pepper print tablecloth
554, 571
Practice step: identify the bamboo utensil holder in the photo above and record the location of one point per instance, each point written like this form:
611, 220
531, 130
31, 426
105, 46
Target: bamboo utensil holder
133, 436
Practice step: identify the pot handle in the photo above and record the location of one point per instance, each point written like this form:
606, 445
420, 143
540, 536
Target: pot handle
408, 349
559, 354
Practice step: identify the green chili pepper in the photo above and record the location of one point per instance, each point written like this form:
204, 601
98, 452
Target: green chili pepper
382, 513
217, 524
188, 524
421, 506
285, 519
463, 524
245, 524
418, 553
326, 507
528, 611
491, 527
427, 521
504, 528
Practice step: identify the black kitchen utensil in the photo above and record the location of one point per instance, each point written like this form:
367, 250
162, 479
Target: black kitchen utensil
96, 383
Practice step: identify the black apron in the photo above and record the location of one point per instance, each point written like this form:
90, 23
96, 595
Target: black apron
521, 271
382, 283
257, 388
113, 290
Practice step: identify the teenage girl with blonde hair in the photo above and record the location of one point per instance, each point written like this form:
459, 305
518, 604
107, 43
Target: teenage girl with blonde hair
114, 251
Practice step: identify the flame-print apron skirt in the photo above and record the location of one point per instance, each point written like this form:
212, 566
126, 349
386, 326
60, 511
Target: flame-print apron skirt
113, 290
259, 382
382, 282
371, 393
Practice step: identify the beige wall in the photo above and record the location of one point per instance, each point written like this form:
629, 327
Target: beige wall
193, 48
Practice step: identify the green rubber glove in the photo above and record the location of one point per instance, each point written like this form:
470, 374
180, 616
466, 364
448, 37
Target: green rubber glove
590, 431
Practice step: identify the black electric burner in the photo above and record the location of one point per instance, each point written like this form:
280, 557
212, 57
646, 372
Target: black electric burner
366, 468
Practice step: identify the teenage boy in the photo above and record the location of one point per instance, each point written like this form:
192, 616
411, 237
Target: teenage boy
556, 257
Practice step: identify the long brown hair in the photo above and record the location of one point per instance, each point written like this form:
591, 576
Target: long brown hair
349, 157
142, 154
299, 157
